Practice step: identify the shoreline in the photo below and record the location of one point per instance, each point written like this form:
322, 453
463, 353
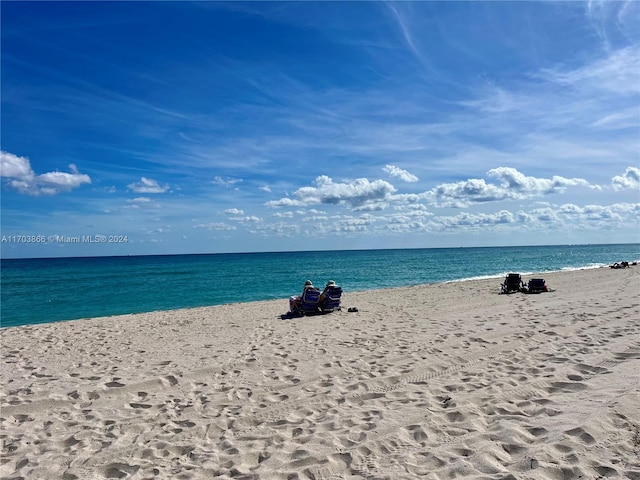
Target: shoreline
498, 278
434, 380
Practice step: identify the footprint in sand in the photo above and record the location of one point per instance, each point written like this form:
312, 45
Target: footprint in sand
70, 441
119, 470
169, 380
114, 384
566, 387
582, 435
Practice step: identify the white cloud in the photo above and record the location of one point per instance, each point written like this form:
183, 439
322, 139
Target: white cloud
400, 173
147, 185
545, 215
512, 185
249, 219
315, 218
543, 218
617, 212
623, 118
608, 19
215, 226
514, 181
629, 179
481, 219
462, 193
139, 200
13, 166
283, 214
285, 202
357, 193
617, 73
234, 211
23, 178
227, 182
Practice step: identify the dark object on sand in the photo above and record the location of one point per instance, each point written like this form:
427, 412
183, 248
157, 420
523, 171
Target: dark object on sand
310, 303
620, 265
535, 285
512, 283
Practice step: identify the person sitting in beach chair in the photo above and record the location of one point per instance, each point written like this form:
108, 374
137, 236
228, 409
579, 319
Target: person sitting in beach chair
535, 285
512, 283
330, 297
308, 302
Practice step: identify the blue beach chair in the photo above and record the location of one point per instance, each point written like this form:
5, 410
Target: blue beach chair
331, 300
310, 302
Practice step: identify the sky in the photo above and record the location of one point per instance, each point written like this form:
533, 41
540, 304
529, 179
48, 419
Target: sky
131, 128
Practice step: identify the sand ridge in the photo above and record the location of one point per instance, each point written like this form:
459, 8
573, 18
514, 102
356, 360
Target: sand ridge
434, 381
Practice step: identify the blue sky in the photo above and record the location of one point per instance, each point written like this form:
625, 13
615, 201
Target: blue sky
180, 127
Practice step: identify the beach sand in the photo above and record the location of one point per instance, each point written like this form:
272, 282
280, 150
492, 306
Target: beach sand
435, 381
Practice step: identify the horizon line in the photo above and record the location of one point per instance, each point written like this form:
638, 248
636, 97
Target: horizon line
313, 251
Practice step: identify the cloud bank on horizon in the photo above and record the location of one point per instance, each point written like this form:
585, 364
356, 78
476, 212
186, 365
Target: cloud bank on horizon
235, 127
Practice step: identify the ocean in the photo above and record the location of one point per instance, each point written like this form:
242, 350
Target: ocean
56, 289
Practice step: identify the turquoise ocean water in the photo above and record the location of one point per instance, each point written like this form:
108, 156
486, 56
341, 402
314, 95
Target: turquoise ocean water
55, 289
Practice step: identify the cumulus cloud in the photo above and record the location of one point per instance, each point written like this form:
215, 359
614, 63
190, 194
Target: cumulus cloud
416, 214
478, 220
617, 211
283, 214
413, 220
234, 211
249, 219
14, 166
462, 193
629, 179
515, 181
358, 193
147, 185
400, 173
545, 215
512, 184
23, 179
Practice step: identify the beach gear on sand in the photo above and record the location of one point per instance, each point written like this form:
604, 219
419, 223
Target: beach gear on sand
312, 302
332, 297
305, 304
512, 283
535, 285
620, 265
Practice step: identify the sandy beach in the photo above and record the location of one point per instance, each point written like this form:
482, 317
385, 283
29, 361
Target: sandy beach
435, 381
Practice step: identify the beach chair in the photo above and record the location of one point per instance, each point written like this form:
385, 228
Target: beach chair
512, 283
535, 285
331, 299
310, 302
